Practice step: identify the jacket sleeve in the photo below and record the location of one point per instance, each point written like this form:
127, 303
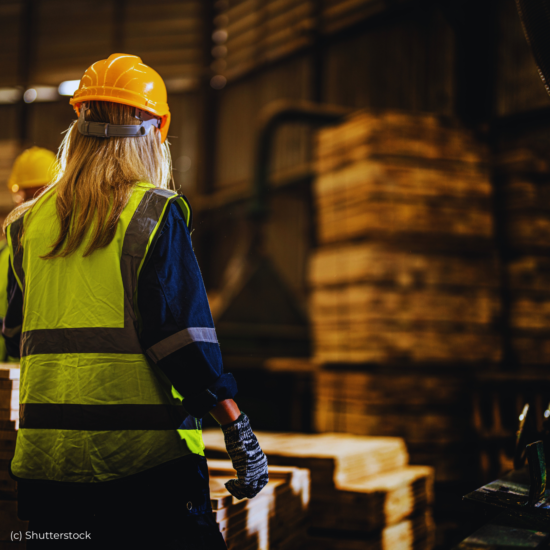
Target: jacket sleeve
177, 330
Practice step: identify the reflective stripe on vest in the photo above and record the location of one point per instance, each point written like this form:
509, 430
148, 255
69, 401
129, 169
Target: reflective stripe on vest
92, 408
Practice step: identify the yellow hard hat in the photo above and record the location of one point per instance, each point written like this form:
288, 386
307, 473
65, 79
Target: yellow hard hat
123, 78
32, 168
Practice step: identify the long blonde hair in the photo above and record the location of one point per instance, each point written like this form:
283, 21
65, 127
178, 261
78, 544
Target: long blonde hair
96, 179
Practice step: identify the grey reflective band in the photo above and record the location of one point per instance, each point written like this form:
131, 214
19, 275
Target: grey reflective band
106, 130
181, 339
103, 339
46, 416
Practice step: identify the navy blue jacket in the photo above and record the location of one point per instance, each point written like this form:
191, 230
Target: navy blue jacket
177, 330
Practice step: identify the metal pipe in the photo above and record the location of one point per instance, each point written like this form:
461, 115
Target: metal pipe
271, 117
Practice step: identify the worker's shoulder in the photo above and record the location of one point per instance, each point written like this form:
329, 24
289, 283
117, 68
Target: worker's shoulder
177, 203
179, 210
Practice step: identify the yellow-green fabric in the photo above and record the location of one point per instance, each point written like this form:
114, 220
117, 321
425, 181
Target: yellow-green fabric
4, 264
85, 383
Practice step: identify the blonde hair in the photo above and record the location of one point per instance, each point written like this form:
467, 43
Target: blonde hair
96, 178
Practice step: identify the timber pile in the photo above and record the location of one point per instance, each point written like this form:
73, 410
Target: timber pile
9, 149
274, 520
406, 270
8, 487
431, 412
259, 31
525, 189
416, 533
339, 14
362, 490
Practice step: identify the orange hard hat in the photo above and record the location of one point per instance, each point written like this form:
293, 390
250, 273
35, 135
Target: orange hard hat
123, 78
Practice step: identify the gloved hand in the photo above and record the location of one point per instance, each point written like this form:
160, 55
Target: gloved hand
247, 458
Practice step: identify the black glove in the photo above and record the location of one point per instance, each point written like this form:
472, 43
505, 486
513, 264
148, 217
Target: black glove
247, 458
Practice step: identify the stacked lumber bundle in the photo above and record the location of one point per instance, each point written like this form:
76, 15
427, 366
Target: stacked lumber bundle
9, 149
8, 487
397, 134
167, 35
406, 270
363, 494
414, 533
525, 189
378, 303
274, 520
259, 31
339, 14
432, 412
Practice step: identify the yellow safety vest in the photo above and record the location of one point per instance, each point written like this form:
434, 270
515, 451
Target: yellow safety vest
92, 407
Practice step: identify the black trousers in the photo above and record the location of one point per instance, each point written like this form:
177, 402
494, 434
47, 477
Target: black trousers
165, 507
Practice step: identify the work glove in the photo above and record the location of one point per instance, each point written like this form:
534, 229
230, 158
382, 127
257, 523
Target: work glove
247, 458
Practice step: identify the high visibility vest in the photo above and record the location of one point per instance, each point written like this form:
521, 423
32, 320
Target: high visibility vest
92, 407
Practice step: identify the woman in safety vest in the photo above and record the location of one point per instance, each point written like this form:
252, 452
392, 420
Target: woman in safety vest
119, 355
32, 170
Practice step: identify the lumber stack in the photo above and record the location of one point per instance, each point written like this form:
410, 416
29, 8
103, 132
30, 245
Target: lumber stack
339, 14
406, 270
258, 31
9, 149
363, 493
274, 519
8, 488
432, 412
525, 189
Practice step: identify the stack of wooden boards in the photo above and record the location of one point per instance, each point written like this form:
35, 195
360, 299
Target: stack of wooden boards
8, 505
273, 520
524, 185
432, 412
406, 270
9, 149
253, 32
363, 494
259, 31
